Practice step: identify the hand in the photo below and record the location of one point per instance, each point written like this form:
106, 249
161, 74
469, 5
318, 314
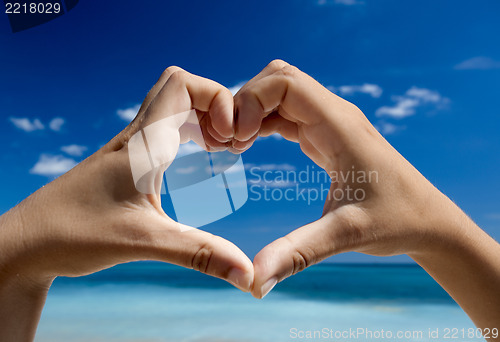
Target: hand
337, 136
93, 217
394, 210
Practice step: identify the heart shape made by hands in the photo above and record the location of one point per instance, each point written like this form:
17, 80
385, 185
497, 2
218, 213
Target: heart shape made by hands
332, 132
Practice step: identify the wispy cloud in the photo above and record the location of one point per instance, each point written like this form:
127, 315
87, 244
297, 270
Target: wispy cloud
186, 170
52, 165
30, 125
128, 114
234, 89
56, 124
478, 63
414, 97
74, 150
227, 168
403, 107
373, 90
26, 124
280, 183
387, 128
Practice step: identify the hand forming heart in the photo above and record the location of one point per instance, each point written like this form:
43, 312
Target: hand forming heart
102, 220
93, 217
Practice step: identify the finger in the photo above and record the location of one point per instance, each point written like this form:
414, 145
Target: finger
291, 93
242, 146
172, 242
275, 123
210, 141
293, 253
259, 99
134, 125
214, 133
184, 91
272, 67
157, 87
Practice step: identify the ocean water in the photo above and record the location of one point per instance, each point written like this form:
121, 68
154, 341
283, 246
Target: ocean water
149, 301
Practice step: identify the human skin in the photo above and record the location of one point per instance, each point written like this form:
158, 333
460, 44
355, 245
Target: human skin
93, 217
402, 212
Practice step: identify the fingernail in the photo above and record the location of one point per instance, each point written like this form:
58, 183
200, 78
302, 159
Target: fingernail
239, 278
268, 286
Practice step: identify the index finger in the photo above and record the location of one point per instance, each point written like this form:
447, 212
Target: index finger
290, 92
184, 91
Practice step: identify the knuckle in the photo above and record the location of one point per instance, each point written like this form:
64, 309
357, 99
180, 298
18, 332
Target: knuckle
170, 70
225, 92
247, 96
277, 64
301, 257
290, 71
201, 259
354, 108
178, 76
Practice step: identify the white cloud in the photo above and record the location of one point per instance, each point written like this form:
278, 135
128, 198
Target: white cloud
272, 183
403, 107
226, 168
186, 170
478, 63
387, 128
56, 124
424, 94
128, 114
234, 89
27, 125
407, 104
274, 136
188, 148
74, 150
50, 165
367, 88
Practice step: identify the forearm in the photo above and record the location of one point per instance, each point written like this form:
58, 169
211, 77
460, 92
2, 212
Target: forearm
465, 261
21, 304
22, 294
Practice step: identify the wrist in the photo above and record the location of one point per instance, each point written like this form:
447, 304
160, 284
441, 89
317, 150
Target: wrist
448, 231
463, 259
20, 240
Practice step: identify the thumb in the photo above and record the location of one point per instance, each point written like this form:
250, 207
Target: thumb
293, 253
190, 247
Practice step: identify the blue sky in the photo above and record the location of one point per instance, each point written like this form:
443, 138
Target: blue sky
426, 73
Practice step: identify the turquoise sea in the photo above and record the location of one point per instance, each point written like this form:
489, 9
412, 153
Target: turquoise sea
148, 301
